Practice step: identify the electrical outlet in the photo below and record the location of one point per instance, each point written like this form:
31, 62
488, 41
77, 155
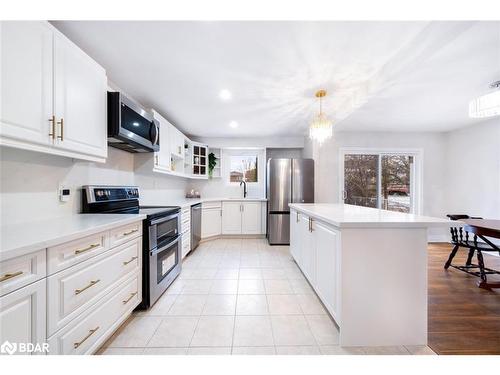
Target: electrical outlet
64, 194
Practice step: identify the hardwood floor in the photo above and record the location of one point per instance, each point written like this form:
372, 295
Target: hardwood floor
463, 319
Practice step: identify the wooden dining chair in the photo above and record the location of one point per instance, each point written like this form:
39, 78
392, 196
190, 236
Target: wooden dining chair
461, 238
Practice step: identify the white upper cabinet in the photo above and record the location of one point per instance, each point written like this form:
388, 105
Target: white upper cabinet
53, 94
176, 142
251, 218
80, 100
162, 157
26, 61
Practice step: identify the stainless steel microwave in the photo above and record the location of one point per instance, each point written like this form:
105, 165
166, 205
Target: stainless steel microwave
130, 127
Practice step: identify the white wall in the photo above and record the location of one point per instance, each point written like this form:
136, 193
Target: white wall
434, 163
473, 170
29, 183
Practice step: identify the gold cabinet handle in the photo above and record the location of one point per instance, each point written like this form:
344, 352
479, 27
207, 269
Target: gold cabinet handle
52, 120
87, 248
129, 298
61, 137
130, 232
156, 159
91, 332
297, 217
131, 260
92, 283
8, 276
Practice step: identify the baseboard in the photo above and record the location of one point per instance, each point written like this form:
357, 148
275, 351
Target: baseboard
234, 236
438, 238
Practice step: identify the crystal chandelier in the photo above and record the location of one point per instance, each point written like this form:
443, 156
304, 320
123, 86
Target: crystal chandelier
321, 127
487, 105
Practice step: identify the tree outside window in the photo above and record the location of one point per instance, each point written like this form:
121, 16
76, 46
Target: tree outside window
243, 167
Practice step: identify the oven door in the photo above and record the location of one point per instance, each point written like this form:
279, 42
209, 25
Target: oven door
164, 267
163, 230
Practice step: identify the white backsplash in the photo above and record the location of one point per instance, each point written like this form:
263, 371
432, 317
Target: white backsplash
30, 181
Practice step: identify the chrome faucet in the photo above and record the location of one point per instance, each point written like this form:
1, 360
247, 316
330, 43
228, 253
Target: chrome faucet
244, 188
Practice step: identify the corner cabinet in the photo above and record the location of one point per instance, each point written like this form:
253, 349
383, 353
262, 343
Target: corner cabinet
53, 94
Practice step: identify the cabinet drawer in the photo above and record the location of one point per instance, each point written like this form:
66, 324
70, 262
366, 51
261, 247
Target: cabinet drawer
186, 244
186, 211
123, 234
18, 272
216, 204
73, 290
84, 335
70, 253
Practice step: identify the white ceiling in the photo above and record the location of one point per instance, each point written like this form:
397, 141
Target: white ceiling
406, 76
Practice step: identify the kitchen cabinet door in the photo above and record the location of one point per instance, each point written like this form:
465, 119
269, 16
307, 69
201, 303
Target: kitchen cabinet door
327, 266
251, 218
162, 157
26, 84
23, 315
231, 218
211, 222
80, 90
176, 142
308, 250
295, 236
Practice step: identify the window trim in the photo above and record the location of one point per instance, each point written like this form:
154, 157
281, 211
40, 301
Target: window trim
416, 178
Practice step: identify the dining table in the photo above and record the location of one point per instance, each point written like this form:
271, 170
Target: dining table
484, 229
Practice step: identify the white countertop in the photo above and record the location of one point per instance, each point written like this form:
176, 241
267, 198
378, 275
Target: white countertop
190, 201
349, 216
24, 238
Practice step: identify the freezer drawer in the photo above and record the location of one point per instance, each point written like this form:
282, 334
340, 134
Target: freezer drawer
279, 229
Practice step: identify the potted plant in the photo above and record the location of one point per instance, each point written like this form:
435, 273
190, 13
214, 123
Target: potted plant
212, 162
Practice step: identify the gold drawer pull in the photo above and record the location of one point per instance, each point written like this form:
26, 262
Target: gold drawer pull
92, 283
8, 276
91, 332
131, 260
130, 232
129, 298
87, 248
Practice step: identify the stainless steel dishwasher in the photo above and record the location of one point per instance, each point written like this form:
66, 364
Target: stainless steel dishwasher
195, 225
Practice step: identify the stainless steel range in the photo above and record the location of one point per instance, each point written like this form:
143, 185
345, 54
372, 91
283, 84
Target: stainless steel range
161, 245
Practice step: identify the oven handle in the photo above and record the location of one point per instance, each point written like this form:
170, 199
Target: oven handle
156, 251
163, 219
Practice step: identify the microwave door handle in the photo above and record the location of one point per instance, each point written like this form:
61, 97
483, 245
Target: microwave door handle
154, 139
157, 134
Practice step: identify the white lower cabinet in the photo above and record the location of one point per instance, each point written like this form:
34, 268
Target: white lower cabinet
86, 334
327, 266
23, 315
315, 248
211, 222
93, 284
73, 290
251, 218
242, 217
231, 218
295, 237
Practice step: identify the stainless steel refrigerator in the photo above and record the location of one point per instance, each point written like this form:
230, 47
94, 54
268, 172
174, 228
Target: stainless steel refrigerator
288, 181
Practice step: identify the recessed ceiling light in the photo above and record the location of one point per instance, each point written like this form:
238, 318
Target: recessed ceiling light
225, 94
233, 124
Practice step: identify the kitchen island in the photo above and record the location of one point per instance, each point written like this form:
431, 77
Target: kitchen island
368, 267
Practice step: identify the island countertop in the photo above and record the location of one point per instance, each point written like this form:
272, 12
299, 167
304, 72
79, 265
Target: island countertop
350, 216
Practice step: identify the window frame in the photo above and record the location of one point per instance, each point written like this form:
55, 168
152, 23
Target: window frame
416, 177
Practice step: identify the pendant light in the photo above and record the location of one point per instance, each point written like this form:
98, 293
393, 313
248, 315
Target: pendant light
321, 127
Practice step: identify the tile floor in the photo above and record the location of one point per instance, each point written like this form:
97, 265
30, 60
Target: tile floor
237, 296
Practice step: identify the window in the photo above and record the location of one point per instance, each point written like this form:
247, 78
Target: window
383, 180
243, 166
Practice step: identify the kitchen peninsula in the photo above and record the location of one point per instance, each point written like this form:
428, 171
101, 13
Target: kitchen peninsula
368, 267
